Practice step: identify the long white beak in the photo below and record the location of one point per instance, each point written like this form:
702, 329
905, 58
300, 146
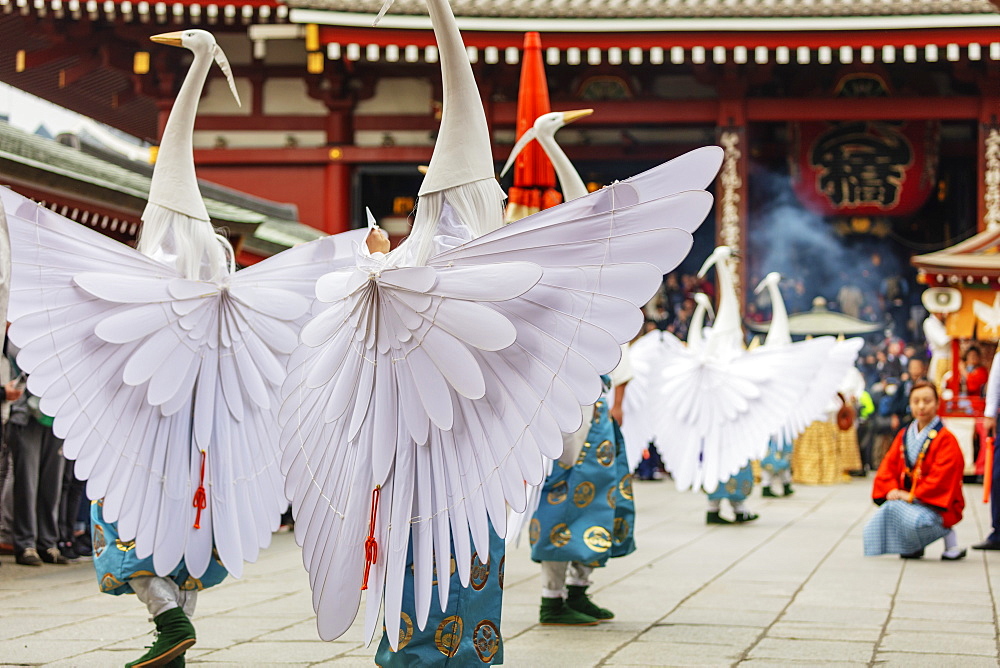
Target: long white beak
525, 139
709, 263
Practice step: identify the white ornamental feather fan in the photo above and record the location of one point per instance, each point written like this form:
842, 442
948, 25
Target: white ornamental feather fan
161, 368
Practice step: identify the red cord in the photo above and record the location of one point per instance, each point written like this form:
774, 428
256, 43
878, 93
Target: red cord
200, 500
371, 545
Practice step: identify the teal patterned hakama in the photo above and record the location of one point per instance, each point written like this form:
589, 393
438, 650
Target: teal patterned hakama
586, 512
467, 633
737, 488
116, 561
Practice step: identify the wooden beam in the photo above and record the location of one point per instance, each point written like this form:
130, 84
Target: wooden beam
277, 123
70, 75
868, 109
26, 60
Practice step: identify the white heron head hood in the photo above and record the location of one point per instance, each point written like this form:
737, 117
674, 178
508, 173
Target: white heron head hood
463, 152
174, 185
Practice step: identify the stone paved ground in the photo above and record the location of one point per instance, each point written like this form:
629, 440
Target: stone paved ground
789, 590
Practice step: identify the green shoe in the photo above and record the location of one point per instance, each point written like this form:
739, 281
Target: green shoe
768, 493
579, 601
713, 517
174, 635
788, 489
178, 662
555, 612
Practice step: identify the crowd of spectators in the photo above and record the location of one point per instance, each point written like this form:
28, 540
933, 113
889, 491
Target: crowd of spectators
43, 510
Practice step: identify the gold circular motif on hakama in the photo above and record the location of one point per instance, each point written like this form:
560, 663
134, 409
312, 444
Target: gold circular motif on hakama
731, 486
612, 500
560, 535
534, 529
625, 486
621, 531
124, 545
486, 640
109, 582
448, 635
746, 487
100, 542
606, 453
479, 573
405, 630
192, 584
597, 539
583, 494
142, 574
434, 581
500, 570
558, 493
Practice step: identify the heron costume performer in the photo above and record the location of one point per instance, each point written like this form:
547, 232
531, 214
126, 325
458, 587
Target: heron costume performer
436, 379
584, 512
162, 368
716, 405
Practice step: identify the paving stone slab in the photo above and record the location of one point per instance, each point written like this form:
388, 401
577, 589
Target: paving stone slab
16, 625
938, 643
739, 636
913, 660
774, 663
812, 650
720, 616
33, 651
946, 612
937, 626
675, 654
818, 631
278, 652
96, 658
847, 617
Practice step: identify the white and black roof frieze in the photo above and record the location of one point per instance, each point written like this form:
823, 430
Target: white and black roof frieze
663, 9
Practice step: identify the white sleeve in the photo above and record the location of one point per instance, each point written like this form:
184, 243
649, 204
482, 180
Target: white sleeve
936, 333
993, 388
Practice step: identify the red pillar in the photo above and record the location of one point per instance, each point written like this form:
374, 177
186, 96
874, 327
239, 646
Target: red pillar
337, 173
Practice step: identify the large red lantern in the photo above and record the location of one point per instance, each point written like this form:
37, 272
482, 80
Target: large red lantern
864, 168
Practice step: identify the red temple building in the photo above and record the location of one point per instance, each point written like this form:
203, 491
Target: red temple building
857, 132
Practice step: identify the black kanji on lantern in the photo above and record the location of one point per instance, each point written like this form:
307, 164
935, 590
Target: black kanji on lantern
862, 163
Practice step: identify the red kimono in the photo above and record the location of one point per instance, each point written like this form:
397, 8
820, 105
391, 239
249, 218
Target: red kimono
975, 381
938, 482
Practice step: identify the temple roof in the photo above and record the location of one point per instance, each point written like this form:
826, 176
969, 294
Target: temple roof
667, 8
975, 257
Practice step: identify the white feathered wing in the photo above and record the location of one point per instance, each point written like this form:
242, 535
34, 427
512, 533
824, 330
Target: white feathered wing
447, 386
715, 412
143, 370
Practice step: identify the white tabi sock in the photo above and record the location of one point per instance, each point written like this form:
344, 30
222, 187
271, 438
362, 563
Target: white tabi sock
951, 548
